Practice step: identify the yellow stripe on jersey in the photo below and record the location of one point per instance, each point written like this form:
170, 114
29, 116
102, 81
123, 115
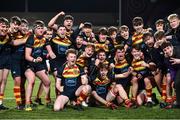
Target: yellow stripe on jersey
97, 81
39, 42
71, 72
103, 46
64, 42
81, 61
139, 68
137, 65
19, 36
4, 41
122, 64
137, 39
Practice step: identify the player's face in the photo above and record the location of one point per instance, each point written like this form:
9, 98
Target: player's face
71, 59
160, 41
168, 51
3, 29
68, 24
79, 41
87, 31
120, 54
124, 34
136, 54
103, 72
138, 28
102, 38
14, 26
48, 34
62, 31
159, 27
114, 34
39, 31
174, 22
102, 56
89, 51
24, 28
149, 41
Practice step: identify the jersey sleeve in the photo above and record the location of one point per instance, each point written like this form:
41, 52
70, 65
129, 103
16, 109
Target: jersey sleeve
30, 42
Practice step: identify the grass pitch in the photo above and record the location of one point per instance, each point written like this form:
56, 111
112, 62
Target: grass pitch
41, 112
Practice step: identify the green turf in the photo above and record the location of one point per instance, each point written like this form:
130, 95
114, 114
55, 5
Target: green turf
41, 112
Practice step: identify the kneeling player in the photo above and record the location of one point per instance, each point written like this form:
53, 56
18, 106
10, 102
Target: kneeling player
71, 82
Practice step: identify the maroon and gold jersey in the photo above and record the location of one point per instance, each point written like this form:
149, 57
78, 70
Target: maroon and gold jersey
81, 61
71, 72
60, 45
137, 39
103, 46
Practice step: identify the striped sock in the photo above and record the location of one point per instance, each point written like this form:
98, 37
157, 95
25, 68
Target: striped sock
1, 98
169, 100
149, 94
82, 97
17, 94
163, 92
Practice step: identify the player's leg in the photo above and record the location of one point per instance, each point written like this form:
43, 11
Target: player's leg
46, 83
60, 102
30, 76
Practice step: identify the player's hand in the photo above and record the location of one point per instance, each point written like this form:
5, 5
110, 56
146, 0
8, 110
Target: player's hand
169, 37
130, 70
81, 25
139, 76
39, 59
61, 13
174, 61
112, 65
97, 61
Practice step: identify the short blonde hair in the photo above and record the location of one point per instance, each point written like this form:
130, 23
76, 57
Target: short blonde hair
172, 16
73, 51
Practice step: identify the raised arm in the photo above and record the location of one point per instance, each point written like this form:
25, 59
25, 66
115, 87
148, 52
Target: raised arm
52, 22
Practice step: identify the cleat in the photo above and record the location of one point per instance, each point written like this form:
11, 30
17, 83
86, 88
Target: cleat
154, 99
49, 105
38, 100
2, 107
149, 104
163, 104
172, 106
20, 107
28, 108
84, 104
78, 107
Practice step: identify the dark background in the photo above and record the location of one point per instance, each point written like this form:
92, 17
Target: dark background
99, 12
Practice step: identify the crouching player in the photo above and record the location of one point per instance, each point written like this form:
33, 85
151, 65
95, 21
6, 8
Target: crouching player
104, 91
71, 82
